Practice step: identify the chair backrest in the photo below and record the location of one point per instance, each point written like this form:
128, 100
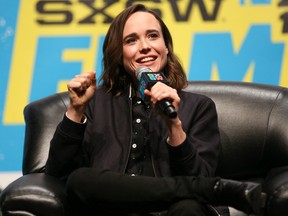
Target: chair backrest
41, 118
253, 121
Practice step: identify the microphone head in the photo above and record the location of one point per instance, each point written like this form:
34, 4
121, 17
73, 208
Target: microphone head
140, 70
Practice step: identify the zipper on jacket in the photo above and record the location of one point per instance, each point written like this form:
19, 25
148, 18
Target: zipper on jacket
131, 128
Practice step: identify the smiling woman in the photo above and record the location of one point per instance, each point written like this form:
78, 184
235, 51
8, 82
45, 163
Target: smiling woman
161, 164
143, 43
123, 42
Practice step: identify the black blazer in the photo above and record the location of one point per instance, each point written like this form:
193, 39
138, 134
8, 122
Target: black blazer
104, 141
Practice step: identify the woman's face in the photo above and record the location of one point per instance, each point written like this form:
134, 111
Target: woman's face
143, 43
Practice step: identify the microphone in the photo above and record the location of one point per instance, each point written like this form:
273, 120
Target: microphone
147, 78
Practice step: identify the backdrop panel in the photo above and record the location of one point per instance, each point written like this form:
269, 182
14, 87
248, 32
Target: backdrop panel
44, 43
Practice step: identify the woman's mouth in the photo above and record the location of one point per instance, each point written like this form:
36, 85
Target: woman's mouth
146, 59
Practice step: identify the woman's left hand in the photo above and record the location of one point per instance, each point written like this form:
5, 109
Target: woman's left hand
162, 91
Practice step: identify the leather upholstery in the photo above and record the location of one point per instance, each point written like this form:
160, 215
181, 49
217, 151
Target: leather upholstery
41, 118
253, 125
253, 121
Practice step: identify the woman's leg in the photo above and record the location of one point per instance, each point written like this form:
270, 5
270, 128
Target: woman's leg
103, 189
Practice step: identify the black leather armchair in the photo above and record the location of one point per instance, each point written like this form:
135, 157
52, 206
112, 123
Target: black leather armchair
253, 121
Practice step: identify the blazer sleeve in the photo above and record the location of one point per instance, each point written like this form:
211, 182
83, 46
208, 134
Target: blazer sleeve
65, 152
198, 154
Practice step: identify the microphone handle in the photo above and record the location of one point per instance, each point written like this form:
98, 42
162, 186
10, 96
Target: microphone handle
147, 79
167, 108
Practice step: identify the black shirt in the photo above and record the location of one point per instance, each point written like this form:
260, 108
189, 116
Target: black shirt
140, 155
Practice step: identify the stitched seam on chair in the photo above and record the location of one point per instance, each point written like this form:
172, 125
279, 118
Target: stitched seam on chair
12, 212
275, 192
215, 211
268, 120
59, 200
65, 105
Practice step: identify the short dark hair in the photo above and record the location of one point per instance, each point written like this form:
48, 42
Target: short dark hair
114, 76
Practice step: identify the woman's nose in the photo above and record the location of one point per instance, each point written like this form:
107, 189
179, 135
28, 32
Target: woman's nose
144, 46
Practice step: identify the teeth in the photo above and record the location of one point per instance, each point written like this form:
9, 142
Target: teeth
147, 59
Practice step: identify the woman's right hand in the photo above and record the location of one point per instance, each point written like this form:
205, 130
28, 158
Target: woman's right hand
81, 89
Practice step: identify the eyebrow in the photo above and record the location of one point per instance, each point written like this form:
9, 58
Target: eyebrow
129, 35
135, 34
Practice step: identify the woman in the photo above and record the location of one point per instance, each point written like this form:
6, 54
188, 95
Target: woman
122, 155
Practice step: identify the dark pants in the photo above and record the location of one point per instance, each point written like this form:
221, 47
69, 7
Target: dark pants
94, 192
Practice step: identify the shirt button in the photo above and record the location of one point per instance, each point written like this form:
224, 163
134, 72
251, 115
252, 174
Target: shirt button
133, 174
134, 145
138, 120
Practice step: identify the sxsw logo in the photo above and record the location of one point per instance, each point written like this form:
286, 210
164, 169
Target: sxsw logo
45, 7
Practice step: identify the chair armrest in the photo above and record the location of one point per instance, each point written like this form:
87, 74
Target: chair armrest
34, 194
276, 187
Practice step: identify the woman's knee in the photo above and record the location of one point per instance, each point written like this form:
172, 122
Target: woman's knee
81, 181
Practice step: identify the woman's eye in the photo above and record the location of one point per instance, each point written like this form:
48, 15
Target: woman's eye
154, 35
130, 40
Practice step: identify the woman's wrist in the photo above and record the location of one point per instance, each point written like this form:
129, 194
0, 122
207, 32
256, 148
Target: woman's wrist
176, 134
76, 115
